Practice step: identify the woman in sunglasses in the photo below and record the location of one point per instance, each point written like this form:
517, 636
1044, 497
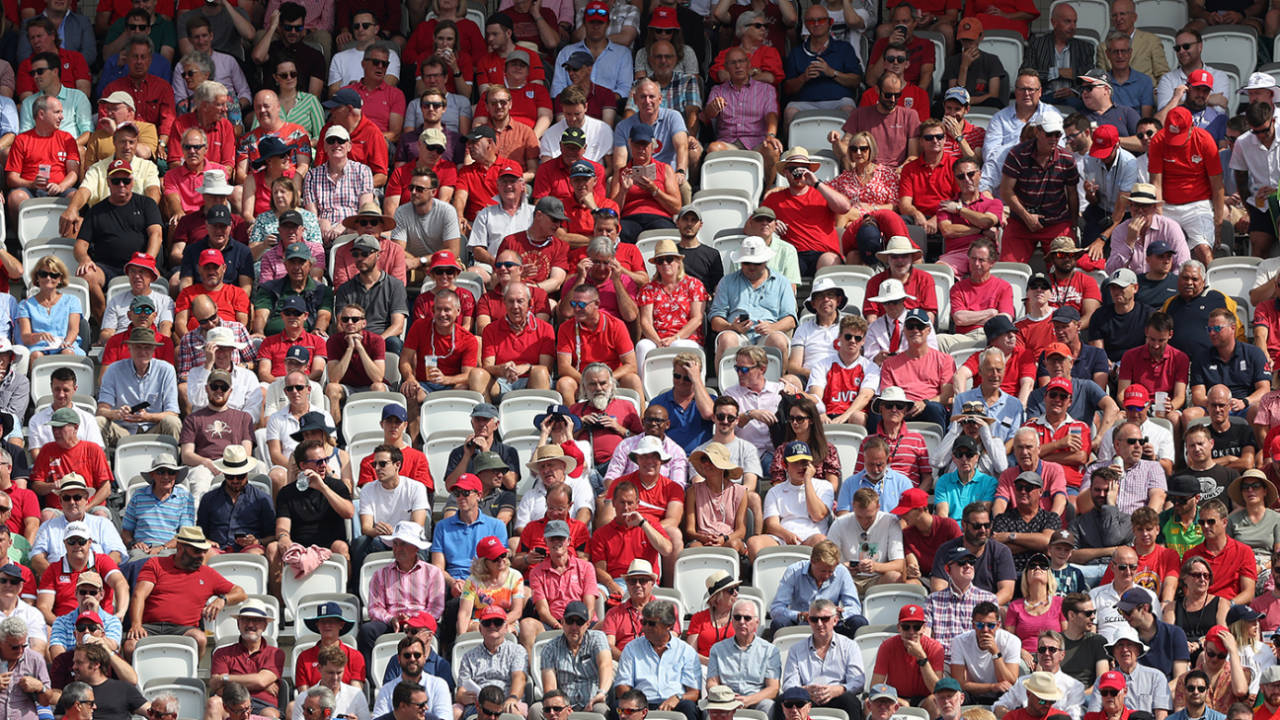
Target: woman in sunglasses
671, 305
803, 422
492, 584
48, 319
296, 106
1039, 608
1194, 609
1255, 524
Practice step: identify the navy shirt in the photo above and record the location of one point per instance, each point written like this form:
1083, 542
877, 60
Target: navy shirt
687, 428
1154, 293
236, 254
1246, 367
839, 55
1119, 333
995, 565
433, 665
1191, 320
1168, 646
1092, 360
222, 520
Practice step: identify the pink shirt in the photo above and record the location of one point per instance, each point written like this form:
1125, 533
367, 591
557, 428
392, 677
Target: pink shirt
1051, 474
745, 112
380, 104
993, 293
182, 181
961, 244
1027, 626
920, 378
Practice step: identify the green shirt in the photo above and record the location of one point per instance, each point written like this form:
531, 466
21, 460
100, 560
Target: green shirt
1174, 535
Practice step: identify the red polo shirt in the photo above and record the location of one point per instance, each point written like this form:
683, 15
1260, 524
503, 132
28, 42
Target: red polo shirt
618, 546
491, 69
811, 224
275, 347
492, 304
152, 97
398, 181
230, 299
60, 581
653, 500
481, 184
1073, 290
538, 258
235, 660
180, 181
74, 68
1048, 433
368, 146
84, 458
415, 467
552, 178
1234, 562
380, 104
1023, 361
221, 140
532, 535
919, 285
606, 343
1136, 366
501, 344
179, 597
453, 350
928, 185
525, 104
1185, 168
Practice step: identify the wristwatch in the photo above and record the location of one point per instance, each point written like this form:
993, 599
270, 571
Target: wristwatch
1013, 536
423, 260
922, 662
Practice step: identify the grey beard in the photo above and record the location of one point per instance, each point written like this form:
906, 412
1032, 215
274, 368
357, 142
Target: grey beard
600, 401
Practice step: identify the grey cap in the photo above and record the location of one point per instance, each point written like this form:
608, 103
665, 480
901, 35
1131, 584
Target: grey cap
556, 528
367, 242
485, 410
689, 209
552, 207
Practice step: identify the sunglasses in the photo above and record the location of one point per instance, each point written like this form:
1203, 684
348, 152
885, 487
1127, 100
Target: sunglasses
964, 453
378, 63
72, 498
89, 591
1200, 576
292, 28
121, 181
757, 25
335, 140
891, 96
910, 627
219, 387
1197, 689
794, 705
895, 59
798, 418
287, 74
295, 388
379, 464
967, 562
722, 417
744, 369
1208, 522
10, 581
554, 709
851, 336
1047, 649
77, 541
37, 72
966, 175
860, 148
46, 275
362, 26
1214, 654
681, 377
1184, 47
820, 619
463, 493
360, 254
1109, 692
597, 12
1126, 567
744, 618
984, 626
1057, 396
140, 28
193, 148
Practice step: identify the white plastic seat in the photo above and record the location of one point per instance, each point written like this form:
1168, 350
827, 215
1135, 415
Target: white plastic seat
463, 643
809, 128
330, 577
824, 713
882, 608
383, 650
305, 607
1017, 275
673, 596
906, 712
42, 369
728, 377
248, 571
770, 564
159, 656
788, 637
869, 644
134, 455
1231, 72
60, 247
943, 278
1232, 275
932, 433
363, 411
727, 245
438, 446
850, 278
722, 209
848, 441
1007, 45
392, 374
190, 692
373, 562
657, 371
939, 51
447, 410
361, 447
346, 239
519, 407
695, 565
1235, 45
648, 245
917, 591
38, 219
524, 442
981, 116
754, 594
1165, 13
740, 169
546, 637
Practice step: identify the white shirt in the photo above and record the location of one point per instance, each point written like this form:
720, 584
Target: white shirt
1072, 701
1159, 436
599, 140
882, 543
41, 434
818, 341
393, 505
533, 505
1177, 76
347, 67
493, 224
787, 503
1109, 618
275, 398
281, 426
116, 314
350, 701
36, 627
1262, 164
979, 663
246, 390
437, 695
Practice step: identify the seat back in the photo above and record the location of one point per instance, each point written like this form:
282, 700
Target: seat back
1234, 45
658, 368
189, 691
330, 577
373, 562
722, 209
673, 596
38, 219
383, 650
42, 369
869, 644
519, 407
246, 570
848, 441
809, 129
159, 656
1164, 13
882, 608
770, 564
438, 446
134, 454
695, 565
1093, 17
306, 605
226, 630
727, 245
728, 377
363, 411
1017, 275
1232, 276
1007, 45
544, 638
736, 169
448, 410
787, 637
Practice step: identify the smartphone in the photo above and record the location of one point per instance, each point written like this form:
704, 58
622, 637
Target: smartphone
140, 407
743, 317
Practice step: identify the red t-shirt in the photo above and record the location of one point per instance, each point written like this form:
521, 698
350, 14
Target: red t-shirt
1267, 315
538, 259
481, 184
889, 222
1185, 168
1036, 335
627, 255
1023, 361
179, 597
492, 304
1127, 712
1048, 434
60, 581
220, 140
653, 500
84, 458
925, 546
900, 669
74, 68
1162, 562
919, 285
607, 343
425, 305
275, 347
504, 346
380, 104
913, 97
842, 385
29, 151
604, 442
414, 467
1234, 562
230, 299
368, 146
994, 293
705, 633
453, 350
928, 186
491, 69
525, 103
811, 226
398, 181
618, 546
25, 505
117, 348
306, 671
552, 178
374, 344
919, 50
532, 535
1073, 290
1136, 366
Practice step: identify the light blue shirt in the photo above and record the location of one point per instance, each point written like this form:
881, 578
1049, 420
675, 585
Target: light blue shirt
64, 628
677, 670
670, 122
155, 521
612, 69
744, 670
8, 116
1005, 129
1209, 714
1007, 411
457, 541
1139, 90
842, 665
77, 113
54, 320
797, 590
771, 302
49, 537
889, 489
121, 385
958, 495
1113, 180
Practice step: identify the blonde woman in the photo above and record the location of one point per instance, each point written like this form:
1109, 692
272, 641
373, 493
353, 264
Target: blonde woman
1039, 608
48, 320
870, 185
672, 304
492, 582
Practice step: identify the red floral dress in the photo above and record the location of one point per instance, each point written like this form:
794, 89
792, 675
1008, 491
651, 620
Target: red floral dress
671, 311
881, 189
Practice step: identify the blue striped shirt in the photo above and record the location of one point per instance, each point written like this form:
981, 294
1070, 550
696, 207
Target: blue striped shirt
64, 628
155, 521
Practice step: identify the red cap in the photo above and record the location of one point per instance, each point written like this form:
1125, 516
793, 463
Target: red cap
144, 261
1212, 638
1105, 139
119, 167
664, 18
596, 5
508, 167
490, 548
422, 620
1111, 680
90, 615
1200, 78
493, 612
1136, 395
910, 500
911, 613
443, 258
211, 257
1178, 126
1058, 349
1274, 449
1059, 383
468, 481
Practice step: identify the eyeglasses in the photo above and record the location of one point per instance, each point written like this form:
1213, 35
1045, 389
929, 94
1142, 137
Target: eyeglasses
334, 140
891, 96
72, 498
37, 72
379, 464
121, 181
1184, 47
287, 74
860, 148
189, 73
1126, 567
295, 388
725, 417
1208, 522
743, 618
1200, 576
651, 623
1027, 89
554, 709
362, 26
744, 369
1197, 689
851, 337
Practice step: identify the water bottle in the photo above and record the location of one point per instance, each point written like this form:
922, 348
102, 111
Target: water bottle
302, 483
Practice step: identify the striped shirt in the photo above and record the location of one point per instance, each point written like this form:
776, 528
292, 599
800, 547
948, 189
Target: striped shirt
577, 674
948, 613
191, 347
745, 112
1136, 484
908, 454
1043, 190
155, 521
337, 198
394, 592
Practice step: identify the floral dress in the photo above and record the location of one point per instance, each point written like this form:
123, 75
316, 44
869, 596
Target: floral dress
503, 593
671, 310
881, 189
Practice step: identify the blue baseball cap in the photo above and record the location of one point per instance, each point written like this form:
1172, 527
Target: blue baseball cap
797, 450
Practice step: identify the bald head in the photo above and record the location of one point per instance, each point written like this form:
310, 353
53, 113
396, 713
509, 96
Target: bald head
202, 306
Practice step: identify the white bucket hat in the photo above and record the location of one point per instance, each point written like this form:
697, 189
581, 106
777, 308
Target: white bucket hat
754, 250
892, 290
649, 445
